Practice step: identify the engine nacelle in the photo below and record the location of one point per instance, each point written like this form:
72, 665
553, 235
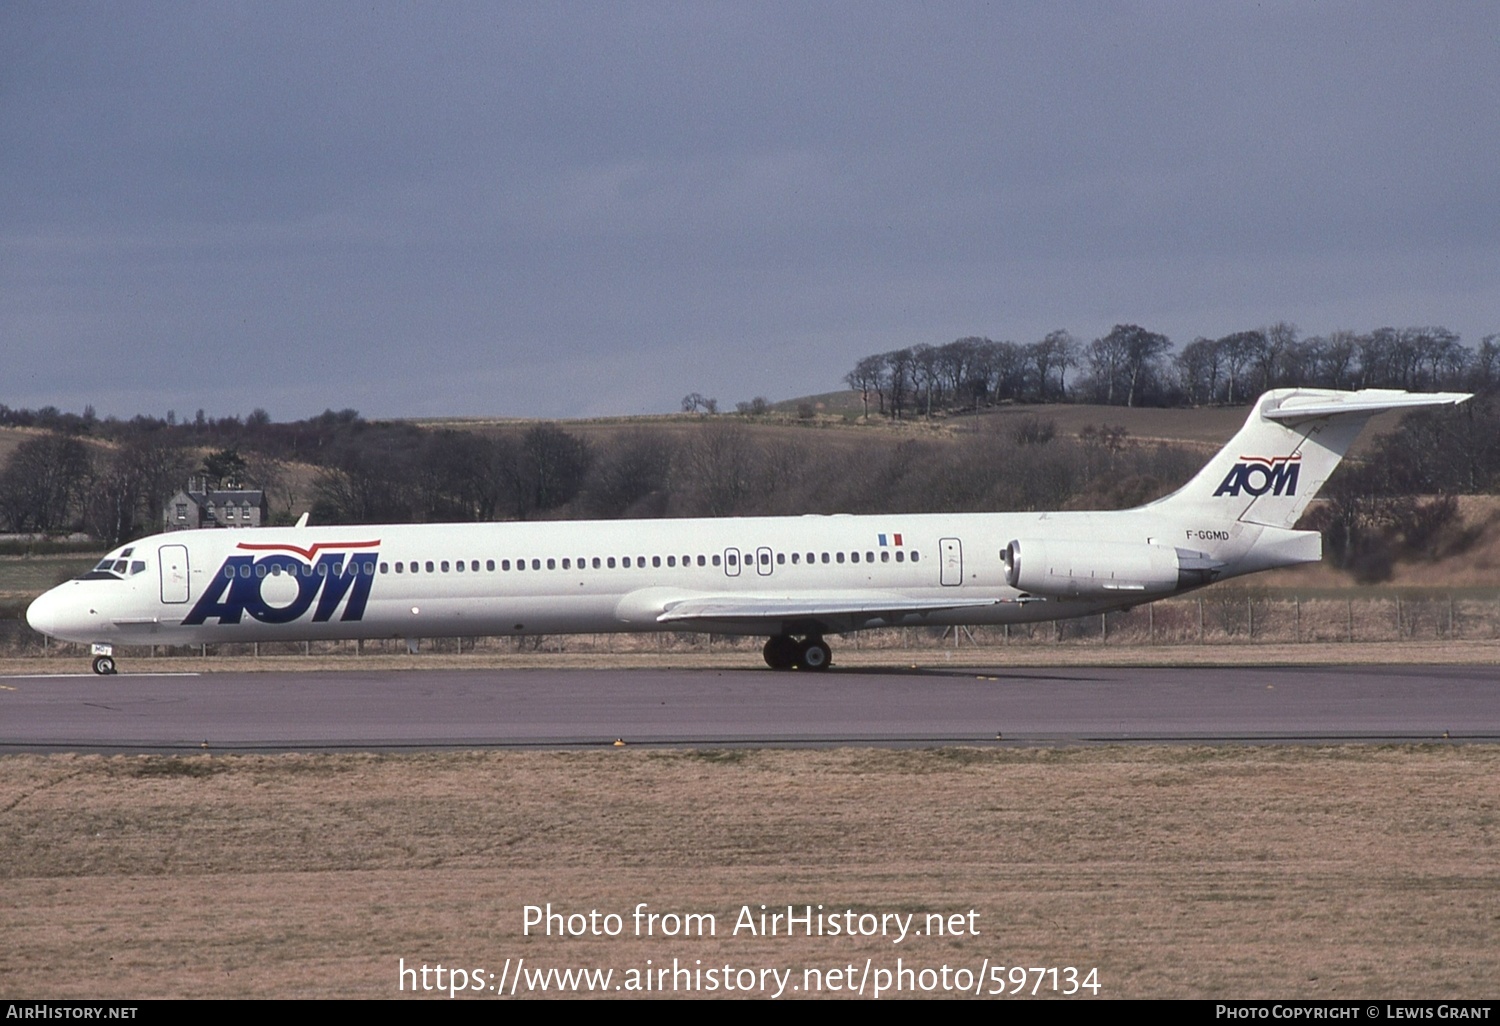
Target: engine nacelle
1090, 569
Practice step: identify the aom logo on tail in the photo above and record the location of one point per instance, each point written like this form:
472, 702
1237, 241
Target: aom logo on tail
1257, 475
281, 585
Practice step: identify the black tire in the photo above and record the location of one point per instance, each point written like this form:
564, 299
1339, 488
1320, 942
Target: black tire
781, 652
104, 665
815, 655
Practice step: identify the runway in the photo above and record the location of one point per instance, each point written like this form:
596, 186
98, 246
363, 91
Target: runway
442, 709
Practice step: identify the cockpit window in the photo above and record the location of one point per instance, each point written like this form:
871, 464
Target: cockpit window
115, 568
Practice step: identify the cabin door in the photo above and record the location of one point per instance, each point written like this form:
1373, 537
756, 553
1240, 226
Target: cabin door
951, 555
173, 560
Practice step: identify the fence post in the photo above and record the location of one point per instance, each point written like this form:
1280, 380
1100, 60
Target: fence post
1299, 619
1151, 623
1351, 621
1200, 619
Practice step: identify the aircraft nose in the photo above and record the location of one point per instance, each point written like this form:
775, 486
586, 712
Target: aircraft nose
42, 613
56, 614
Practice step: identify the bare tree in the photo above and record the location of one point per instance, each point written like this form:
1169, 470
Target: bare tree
548, 471
1058, 351
720, 467
866, 377
1198, 370
43, 485
1126, 358
1239, 350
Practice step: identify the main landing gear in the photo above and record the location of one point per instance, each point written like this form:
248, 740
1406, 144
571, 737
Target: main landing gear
784, 652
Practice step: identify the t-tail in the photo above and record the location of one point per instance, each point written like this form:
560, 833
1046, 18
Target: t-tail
1291, 442
1237, 515
1286, 452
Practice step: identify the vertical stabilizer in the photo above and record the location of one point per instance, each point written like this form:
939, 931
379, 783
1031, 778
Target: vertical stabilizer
1290, 444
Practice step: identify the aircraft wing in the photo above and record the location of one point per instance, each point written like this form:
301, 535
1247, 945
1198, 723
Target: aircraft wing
754, 609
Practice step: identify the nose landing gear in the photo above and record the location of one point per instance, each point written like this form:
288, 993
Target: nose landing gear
104, 660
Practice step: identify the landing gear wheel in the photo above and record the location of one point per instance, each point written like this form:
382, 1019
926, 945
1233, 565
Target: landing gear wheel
104, 665
781, 652
816, 655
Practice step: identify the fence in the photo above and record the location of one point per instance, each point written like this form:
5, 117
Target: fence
1219, 616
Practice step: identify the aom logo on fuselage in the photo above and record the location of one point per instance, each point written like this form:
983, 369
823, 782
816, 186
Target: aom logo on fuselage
1257, 475
281, 585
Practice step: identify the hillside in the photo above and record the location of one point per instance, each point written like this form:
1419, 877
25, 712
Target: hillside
835, 443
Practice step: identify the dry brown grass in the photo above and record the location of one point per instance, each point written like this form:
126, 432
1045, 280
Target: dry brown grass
1322, 872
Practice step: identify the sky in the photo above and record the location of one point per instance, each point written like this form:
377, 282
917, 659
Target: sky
562, 209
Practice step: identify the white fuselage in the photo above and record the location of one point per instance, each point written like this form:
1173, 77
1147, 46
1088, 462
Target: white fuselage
792, 579
409, 581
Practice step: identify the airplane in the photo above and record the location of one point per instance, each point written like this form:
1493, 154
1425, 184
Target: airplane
793, 579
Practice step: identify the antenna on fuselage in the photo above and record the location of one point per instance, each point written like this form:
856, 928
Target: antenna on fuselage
302, 520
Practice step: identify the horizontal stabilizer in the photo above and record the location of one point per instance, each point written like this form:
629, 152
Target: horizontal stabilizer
1299, 408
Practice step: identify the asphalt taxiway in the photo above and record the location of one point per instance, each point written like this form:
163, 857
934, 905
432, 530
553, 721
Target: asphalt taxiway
445, 709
